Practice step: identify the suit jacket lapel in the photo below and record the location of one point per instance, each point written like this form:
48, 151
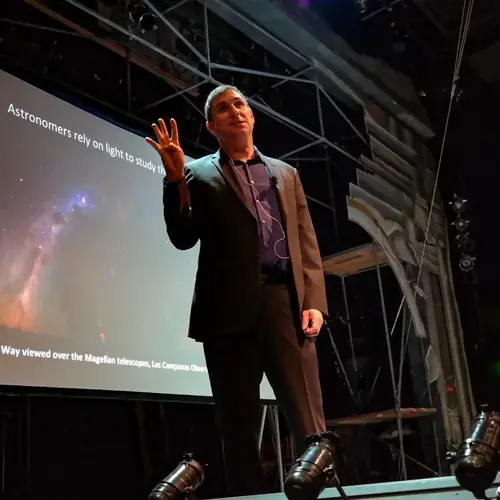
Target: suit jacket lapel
229, 175
280, 187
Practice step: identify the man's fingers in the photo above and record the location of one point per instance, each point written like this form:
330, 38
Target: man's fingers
157, 132
311, 323
175, 131
153, 143
305, 320
311, 331
161, 132
163, 128
314, 327
317, 324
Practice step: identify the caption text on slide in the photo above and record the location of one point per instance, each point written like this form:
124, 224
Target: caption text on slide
7, 350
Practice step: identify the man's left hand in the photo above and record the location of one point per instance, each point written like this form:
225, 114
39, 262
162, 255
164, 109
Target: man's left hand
312, 321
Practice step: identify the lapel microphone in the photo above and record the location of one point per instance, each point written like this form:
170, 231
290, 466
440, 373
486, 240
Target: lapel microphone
272, 178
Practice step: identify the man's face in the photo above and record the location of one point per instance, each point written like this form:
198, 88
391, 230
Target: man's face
231, 116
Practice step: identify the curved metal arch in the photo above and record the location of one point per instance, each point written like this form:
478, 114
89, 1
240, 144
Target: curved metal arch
363, 215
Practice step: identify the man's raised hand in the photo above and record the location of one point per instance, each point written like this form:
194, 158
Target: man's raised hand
169, 149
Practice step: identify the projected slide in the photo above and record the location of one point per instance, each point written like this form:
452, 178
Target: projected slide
92, 293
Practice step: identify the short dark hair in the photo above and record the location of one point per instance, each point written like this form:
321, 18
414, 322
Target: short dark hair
216, 92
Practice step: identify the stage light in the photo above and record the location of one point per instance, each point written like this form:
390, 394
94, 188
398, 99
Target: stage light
458, 204
477, 460
460, 224
467, 263
464, 242
182, 482
140, 16
315, 470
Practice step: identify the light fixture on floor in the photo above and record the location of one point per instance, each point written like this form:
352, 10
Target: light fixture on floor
477, 460
316, 469
182, 482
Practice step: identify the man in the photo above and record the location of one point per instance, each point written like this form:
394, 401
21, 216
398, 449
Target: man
259, 296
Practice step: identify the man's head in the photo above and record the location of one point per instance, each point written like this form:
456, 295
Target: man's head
228, 114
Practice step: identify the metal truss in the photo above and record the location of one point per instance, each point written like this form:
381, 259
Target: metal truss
395, 372
305, 76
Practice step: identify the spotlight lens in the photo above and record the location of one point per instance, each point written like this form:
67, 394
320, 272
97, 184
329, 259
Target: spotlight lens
478, 458
147, 22
315, 469
165, 492
183, 480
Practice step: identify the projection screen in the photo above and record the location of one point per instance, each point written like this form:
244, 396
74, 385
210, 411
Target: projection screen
92, 293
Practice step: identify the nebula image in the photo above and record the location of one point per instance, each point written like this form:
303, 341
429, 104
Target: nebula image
27, 264
79, 257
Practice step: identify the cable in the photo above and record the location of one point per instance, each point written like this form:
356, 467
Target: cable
458, 59
464, 27
262, 208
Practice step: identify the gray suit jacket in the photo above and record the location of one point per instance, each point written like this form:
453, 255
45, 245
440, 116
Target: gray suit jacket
209, 207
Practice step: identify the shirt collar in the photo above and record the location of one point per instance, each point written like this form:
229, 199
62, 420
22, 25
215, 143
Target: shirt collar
224, 157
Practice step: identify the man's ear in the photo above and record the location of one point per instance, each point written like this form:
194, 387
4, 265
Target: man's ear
210, 127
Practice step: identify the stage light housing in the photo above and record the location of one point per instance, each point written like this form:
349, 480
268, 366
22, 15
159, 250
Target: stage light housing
477, 460
141, 16
464, 242
467, 263
461, 225
315, 470
182, 482
458, 204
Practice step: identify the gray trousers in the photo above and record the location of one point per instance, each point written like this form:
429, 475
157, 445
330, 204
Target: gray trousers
236, 363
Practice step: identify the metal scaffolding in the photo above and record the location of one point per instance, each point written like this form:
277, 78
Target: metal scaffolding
306, 76
371, 259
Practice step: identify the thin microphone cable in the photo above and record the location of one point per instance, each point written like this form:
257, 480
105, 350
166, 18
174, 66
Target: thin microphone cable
264, 211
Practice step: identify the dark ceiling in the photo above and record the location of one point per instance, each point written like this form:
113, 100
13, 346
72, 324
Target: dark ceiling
419, 36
